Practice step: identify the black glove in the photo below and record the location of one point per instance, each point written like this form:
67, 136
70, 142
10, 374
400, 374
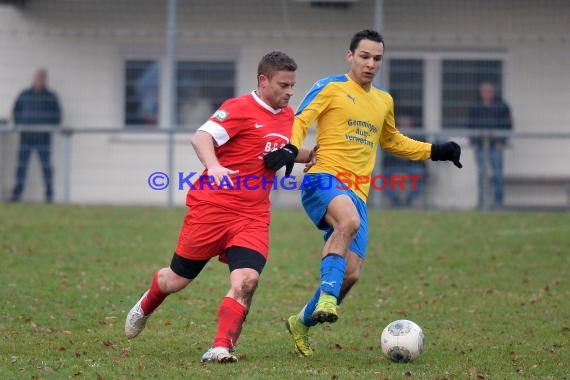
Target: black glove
282, 157
448, 151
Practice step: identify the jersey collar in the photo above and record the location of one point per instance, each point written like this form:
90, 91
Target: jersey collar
265, 105
356, 85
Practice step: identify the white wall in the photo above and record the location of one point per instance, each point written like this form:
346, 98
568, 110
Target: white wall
83, 44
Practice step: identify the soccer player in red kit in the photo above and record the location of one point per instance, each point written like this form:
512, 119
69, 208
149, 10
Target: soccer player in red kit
228, 206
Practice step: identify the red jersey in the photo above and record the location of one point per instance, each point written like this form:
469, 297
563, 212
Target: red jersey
245, 129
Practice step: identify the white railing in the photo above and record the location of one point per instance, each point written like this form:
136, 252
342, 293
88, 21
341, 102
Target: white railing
112, 166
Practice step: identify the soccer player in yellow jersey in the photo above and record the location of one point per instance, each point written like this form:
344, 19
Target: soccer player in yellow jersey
353, 117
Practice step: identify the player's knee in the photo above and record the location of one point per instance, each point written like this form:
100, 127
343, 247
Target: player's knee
245, 286
249, 284
349, 225
170, 282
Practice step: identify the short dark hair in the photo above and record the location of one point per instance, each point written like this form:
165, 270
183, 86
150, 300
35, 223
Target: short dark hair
365, 34
275, 61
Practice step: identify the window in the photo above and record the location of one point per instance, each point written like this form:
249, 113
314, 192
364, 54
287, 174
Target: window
202, 87
407, 87
141, 93
460, 87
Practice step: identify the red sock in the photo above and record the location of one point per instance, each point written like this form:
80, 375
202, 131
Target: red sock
231, 315
153, 298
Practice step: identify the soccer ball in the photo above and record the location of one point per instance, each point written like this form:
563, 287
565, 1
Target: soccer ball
402, 341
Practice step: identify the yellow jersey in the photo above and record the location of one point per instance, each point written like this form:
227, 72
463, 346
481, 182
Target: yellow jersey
351, 122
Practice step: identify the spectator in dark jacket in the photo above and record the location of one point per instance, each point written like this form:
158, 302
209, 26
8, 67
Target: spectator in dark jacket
36, 106
491, 113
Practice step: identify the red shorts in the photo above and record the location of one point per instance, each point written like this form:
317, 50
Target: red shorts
208, 231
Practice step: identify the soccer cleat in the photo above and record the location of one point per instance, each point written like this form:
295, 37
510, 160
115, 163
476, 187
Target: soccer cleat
136, 320
218, 355
300, 334
325, 311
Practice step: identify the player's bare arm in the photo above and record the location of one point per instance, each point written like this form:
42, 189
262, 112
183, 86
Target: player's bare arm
203, 144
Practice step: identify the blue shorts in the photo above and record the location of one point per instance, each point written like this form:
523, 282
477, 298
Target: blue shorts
318, 190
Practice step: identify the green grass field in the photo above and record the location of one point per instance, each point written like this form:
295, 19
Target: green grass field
491, 291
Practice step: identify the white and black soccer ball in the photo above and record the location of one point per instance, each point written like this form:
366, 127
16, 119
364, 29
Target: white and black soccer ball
402, 341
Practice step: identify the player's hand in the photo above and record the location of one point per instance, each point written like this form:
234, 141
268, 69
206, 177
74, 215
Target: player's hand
312, 159
219, 172
449, 151
282, 157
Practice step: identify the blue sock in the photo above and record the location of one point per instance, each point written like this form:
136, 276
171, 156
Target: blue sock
307, 311
333, 267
